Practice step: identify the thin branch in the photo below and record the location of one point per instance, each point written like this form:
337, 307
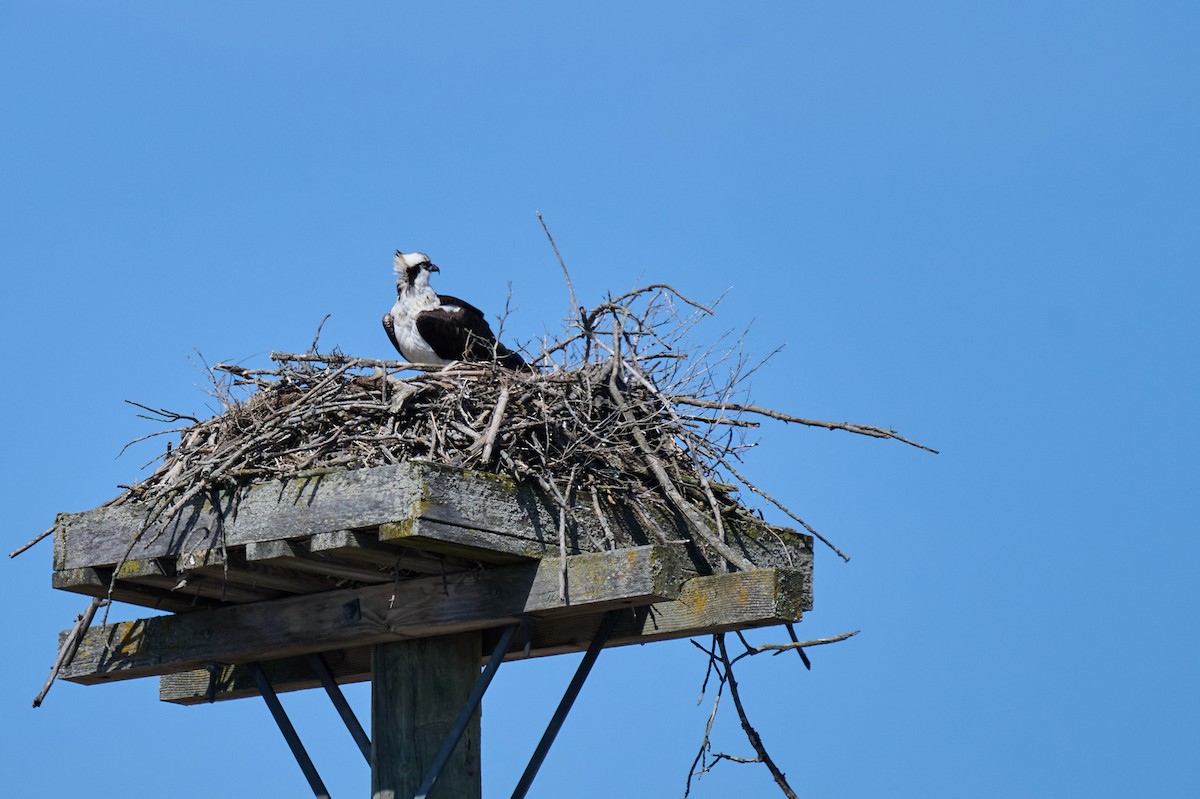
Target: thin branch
791, 631
312, 349
70, 646
576, 311
151, 435
699, 523
725, 463
721, 664
334, 359
799, 646
751, 734
861, 429
28, 545
163, 414
489, 438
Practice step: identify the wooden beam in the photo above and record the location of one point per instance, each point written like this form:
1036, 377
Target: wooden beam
223, 681
286, 509
417, 689
163, 574
233, 567
156, 583
95, 582
356, 617
366, 548
439, 508
268, 511
296, 556
470, 543
705, 605
350, 555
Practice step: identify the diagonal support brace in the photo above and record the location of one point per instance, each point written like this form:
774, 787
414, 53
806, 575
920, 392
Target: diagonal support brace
321, 669
468, 710
560, 715
289, 733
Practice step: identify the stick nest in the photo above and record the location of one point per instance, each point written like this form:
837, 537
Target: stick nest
619, 405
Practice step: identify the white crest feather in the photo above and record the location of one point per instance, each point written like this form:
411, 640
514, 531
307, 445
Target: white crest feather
404, 260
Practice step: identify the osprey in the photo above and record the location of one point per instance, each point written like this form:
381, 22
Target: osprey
426, 327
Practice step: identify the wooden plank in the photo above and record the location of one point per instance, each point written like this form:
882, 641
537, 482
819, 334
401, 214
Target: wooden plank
356, 617
232, 566
268, 511
221, 681
365, 548
159, 572
468, 543
417, 689
163, 575
482, 501
166, 583
95, 582
770, 547
221, 590
705, 605
494, 512
295, 555
442, 503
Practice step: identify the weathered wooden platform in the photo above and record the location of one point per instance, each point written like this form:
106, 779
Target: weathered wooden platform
339, 562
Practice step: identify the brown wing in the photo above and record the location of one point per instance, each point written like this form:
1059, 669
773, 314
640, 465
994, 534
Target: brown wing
463, 335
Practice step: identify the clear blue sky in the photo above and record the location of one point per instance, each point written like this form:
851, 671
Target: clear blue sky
976, 223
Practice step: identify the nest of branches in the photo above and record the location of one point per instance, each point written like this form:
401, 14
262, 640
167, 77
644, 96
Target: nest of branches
618, 405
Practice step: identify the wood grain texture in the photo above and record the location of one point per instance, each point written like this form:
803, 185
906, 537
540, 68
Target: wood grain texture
221, 681
95, 583
297, 556
349, 546
705, 605
405, 609
233, 566
448, 511
417, 689
267, 511
467, 543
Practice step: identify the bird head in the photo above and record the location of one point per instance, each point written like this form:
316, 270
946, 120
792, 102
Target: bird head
413, 270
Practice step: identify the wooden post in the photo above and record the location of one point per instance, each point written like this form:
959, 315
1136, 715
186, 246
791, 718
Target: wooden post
418, 687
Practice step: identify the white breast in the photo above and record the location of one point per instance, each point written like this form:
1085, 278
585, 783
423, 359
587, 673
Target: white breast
404, 320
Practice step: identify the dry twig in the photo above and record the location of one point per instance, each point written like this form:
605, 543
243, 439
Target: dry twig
70, 645
721, 664
29, 544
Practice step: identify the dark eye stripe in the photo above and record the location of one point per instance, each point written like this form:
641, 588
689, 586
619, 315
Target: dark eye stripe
413, 271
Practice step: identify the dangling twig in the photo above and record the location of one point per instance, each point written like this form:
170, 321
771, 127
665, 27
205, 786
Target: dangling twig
70, 645
751, 734
721, 664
